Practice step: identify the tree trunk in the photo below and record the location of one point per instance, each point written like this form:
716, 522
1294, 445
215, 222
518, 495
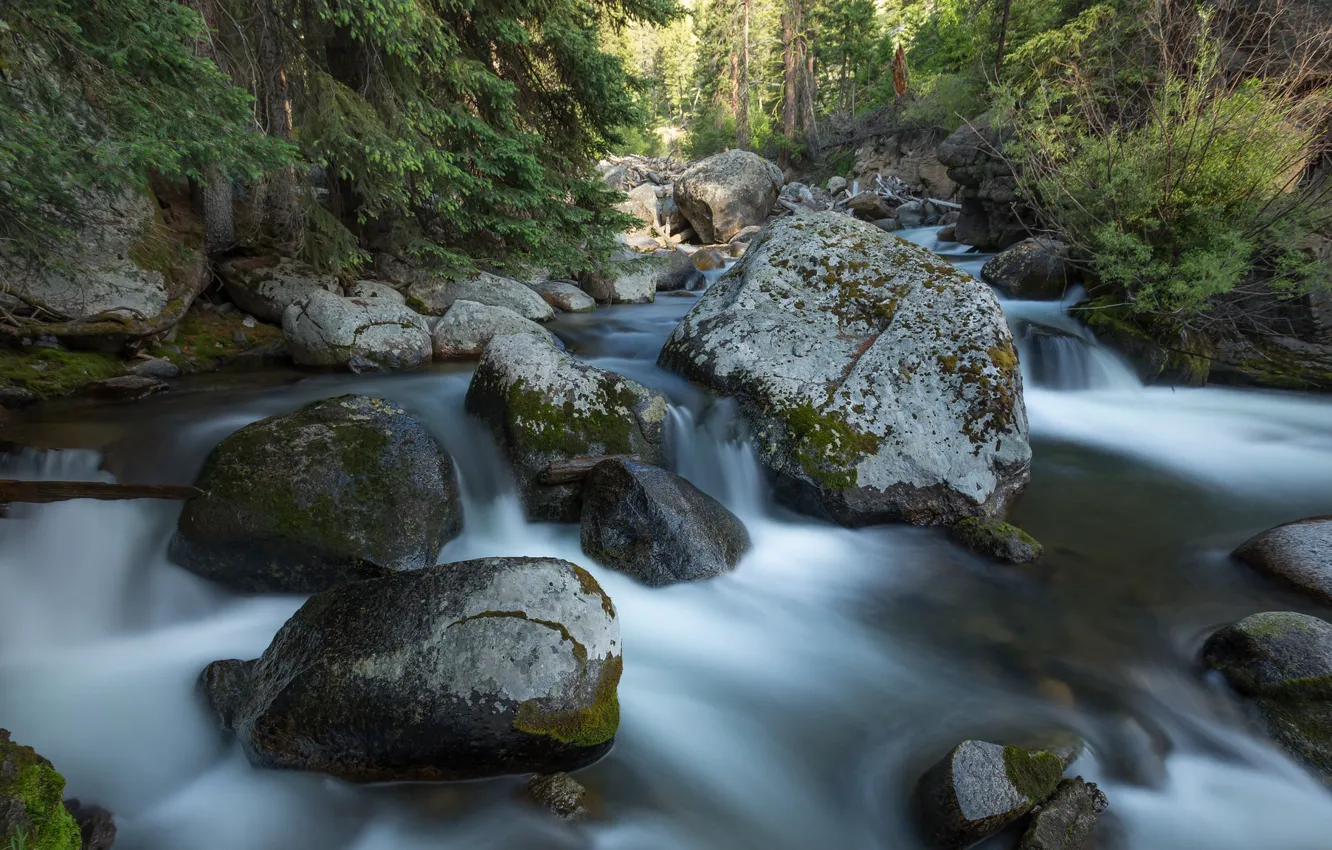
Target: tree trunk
742, 113
219, 223
1003, 36
808, 92
788, 83
282, 216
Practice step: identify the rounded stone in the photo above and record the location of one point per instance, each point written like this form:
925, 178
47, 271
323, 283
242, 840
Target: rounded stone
468, 327
1274, 654
726, 192
1298, 554
996, 539
657, 527
342, 489
459, 671
1035, 269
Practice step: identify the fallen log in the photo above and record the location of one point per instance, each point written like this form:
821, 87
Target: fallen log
61, 491
577, 468
948, 205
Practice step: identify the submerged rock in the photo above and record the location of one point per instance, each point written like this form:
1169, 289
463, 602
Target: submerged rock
1281, 662
265, 287
727, 192
656, 526
468, 327
881, 384
32, 814
342, 489
564, 295
559, 792
1033, 269
434, 297
542, 405
989, 536
1298, 553
1067, 819
355, 333
979, 789
458, 671
124, 388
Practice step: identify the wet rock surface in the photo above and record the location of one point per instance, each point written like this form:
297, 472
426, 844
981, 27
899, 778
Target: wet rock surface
457, 671
996, 539
1066, 821
1298, 553
342, 489
656, 526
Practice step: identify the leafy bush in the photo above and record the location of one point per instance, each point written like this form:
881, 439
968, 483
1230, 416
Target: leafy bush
945, 100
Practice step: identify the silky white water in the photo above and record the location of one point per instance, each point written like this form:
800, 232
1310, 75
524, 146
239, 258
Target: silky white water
789, 704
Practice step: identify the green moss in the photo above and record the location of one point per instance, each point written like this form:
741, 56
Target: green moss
607, 420
589, 586
1034, 775
584, 727
54, 372
35, 795
207, 341
989, 536
826, 446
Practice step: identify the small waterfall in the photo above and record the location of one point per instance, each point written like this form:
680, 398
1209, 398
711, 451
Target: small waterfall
1057, 360
714, 454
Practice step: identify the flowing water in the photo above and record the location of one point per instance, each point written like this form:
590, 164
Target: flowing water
790, 704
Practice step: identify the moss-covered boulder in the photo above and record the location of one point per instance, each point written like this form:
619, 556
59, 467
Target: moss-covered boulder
882, 384
342, 489
458, 671
996, 539
32, 811
542, 405
1298, 554
1280, 662
980, 788
657, 527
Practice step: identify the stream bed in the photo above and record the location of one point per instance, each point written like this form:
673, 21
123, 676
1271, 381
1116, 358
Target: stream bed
790, 704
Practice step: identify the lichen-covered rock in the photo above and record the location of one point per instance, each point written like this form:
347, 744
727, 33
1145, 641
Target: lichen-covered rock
363, 335
542, 405
468, 327
989, 536
980, 788
657, 527
1036, 269
629, 279
342, 489
1298, 553
371, 289
882, 384
458, 671
727, 192
1274, 654
435, 296
564, 295
641, 204
560, 793
265, 287
1281, 663
1067, 819
32, 812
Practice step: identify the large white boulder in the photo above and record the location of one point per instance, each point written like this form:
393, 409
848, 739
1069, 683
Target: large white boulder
882, 383
727, 192
468, 327
363, 335
435, 296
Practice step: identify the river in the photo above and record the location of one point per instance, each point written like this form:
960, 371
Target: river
790, 704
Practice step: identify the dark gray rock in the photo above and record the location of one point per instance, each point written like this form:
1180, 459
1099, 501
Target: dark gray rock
979, 789
991, 214
881, 384
542, 405
656, 526
1274, 654
1281, 663
1035, 269
1066, 820
911, 214
157, 368
97, 826
989, 536
17, 397
676, 273
458, 671
342, 489
558, 792
1298, 553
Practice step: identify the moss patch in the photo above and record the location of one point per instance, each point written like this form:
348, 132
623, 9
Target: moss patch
207, 341
32, 791
594, 724
989, 536
589, 586
53, 371
607, 420
1034, 775
826, 446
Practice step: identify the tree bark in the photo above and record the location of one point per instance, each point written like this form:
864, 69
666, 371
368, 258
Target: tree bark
1003, 36
282, 216
742, 113
219, 222
788, 83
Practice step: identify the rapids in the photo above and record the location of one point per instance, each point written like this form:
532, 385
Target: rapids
790, 704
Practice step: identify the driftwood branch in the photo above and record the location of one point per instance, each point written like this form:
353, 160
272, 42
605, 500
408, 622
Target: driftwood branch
60, 491
948, 205
577, 468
